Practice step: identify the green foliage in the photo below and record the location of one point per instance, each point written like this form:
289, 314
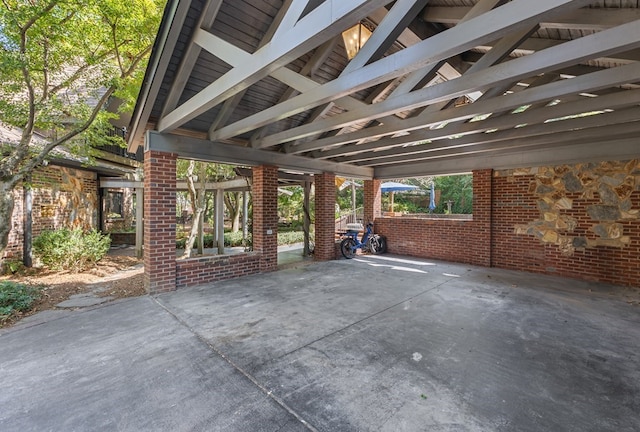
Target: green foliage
456, 188
459, 189
61, 64
66, 249
290, 206
231, 239
15, 297
290, 237
235, 239
12, 266
344, 197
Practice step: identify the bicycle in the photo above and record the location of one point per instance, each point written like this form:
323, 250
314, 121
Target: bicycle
374, 243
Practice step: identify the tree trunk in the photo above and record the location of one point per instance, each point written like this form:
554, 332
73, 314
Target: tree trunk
198, 205
233, 204
6, 210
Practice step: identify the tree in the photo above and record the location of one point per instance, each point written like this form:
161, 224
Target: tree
459, 190
61, 62
197, 196
197, 174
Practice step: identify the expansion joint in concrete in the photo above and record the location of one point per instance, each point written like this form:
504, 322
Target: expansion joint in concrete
237, 367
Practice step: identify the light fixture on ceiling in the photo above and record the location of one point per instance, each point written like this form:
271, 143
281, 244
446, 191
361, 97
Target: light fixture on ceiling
354, 38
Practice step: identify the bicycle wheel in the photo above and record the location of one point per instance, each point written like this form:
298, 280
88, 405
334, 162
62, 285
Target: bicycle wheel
377, 245
348, 248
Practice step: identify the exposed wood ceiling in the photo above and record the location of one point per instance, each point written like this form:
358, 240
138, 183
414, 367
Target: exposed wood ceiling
442, 86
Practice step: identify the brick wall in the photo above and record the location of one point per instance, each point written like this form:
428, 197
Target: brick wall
372, 200
163, 272
325, 212
62, 198
521, 223
546, 221
16, 235
159, 222
200, 270
265, 216
463, 241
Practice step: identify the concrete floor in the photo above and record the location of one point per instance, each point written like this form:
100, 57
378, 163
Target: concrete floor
377, 343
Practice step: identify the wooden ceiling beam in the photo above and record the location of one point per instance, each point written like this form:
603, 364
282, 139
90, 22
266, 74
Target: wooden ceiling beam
482, 29
320, 25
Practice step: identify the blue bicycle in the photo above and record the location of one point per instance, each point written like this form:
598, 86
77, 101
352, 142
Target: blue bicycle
373, 243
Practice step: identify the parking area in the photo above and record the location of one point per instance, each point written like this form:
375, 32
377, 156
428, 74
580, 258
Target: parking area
380, 343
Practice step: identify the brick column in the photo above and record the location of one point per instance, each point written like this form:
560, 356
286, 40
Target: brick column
325, 216
265, 216
482, 216
372, 200
160, 222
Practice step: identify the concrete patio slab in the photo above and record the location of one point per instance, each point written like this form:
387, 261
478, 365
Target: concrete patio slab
377, 343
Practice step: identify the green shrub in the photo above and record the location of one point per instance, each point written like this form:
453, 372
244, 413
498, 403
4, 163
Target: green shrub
12, 266
15, 297
290, 237
230, 239
66, 249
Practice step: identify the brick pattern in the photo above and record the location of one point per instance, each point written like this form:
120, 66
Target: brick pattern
16, 235
325, 202
201, 270
265, 216
464, 241
62, 198
518, 205
500, 204
372, 200
159, 222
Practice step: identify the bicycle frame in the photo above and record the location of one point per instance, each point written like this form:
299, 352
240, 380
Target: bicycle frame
365, 236
370, 242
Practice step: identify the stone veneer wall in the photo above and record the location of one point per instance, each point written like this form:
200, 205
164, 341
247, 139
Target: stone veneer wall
62, 198
579, 221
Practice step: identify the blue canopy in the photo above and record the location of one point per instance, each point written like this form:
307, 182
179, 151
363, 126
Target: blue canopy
396, 187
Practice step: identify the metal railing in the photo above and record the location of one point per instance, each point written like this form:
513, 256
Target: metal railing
348, 216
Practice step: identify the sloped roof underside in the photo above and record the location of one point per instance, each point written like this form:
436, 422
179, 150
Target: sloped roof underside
442, 86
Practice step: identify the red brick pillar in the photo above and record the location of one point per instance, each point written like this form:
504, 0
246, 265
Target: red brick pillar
482, 216
372, 200
265, 216
159, 222
325, 217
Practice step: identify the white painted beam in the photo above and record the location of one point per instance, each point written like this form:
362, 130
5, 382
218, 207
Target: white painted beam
117, 183
596, 19
531, 116
483, 29
320, 25
231, 104
189, 58
402, 12
199, 149
617, 39
590, 82
598, 126
294, 9
166, 41
602, 150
